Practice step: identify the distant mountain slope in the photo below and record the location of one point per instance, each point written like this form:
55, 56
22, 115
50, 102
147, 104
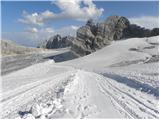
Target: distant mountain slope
11, 48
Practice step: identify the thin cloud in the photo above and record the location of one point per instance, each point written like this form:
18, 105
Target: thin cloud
68, 30
34, 36
32, 30
149, 22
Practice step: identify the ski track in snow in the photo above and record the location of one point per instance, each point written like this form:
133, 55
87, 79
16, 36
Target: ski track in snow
72, 98
108, 92
137, 107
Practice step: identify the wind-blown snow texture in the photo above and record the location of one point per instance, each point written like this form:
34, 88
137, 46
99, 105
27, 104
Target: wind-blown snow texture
118, 81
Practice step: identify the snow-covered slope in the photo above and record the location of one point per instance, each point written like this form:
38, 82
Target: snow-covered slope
118, 81
131, 50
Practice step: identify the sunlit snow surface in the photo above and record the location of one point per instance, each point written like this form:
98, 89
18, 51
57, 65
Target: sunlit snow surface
118, 81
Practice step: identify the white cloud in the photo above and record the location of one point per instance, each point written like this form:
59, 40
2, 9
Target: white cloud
48, 30
45, 33
38, 35
70, 9
32, 30
146, 21
36, 18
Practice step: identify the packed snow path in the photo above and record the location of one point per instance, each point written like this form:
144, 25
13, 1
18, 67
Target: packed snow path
82, 94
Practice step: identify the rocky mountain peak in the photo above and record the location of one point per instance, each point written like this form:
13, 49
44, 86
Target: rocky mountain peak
93, 36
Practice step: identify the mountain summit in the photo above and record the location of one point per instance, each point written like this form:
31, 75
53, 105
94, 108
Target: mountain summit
94, 36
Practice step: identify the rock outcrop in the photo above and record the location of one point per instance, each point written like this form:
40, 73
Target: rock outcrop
57, 42
94, 36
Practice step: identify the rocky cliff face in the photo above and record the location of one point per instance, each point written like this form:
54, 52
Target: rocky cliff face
57, 42
94, 36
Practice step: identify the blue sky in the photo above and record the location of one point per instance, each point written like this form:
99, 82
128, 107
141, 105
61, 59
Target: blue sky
58, 17
129, 9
